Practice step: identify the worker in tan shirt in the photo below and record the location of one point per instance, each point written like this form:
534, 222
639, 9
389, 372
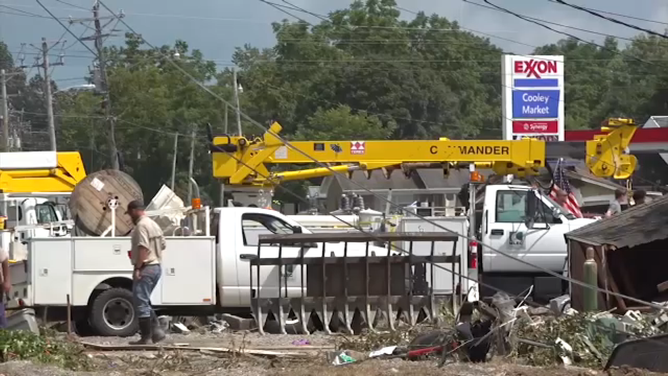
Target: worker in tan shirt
6, 286
148, 242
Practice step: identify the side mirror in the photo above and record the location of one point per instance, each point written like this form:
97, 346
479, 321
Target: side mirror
297, 230
531, 204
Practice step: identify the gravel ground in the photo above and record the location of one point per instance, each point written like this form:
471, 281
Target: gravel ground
370, 368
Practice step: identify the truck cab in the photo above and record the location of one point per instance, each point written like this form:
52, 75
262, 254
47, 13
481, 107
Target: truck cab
31, 215
237, 233
528, 225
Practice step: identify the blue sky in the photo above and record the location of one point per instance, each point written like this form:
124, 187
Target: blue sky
216, 27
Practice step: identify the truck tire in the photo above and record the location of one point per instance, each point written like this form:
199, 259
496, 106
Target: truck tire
112, 313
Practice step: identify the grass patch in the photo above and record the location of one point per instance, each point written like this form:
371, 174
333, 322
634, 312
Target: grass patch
46, 348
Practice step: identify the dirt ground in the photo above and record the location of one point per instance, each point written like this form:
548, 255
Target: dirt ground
314, 362
218, 367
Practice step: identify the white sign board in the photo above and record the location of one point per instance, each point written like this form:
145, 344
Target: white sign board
533, 97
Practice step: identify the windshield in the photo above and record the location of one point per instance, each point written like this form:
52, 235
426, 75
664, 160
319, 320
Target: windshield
45, 213
558, 208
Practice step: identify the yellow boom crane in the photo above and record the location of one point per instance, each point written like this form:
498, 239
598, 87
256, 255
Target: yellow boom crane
40, 171
240, 162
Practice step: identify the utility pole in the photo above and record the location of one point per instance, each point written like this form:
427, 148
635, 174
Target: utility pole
236, 99
226, 107
191, 164
176, 146
103, 87
5, 111
45, 65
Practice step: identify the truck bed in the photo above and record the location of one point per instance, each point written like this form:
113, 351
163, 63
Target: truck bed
58, 267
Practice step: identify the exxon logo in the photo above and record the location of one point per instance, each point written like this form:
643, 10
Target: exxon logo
535, 68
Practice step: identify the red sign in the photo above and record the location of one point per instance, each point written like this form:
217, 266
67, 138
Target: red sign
535, 126
535, 67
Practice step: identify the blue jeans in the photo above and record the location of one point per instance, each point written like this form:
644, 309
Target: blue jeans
142, 289
3, 316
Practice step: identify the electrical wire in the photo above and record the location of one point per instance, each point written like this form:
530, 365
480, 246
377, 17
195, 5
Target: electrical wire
621, 15
25, 13
541, 20
436, 224
522, 17
22, 14
613, 20
66, 28
73, 5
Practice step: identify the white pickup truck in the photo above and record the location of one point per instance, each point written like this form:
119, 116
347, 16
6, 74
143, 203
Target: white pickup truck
201, 274
504, 225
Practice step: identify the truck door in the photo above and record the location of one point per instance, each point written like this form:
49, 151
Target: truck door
505, 230
254, 225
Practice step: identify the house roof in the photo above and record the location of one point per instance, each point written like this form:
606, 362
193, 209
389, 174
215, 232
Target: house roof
638, 225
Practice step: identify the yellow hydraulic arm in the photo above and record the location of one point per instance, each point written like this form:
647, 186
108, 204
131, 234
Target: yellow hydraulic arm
62, 178
240, 161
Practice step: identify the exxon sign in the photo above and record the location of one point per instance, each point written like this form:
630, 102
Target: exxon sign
535, 68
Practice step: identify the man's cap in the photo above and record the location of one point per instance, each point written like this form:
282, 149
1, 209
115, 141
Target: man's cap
136, 204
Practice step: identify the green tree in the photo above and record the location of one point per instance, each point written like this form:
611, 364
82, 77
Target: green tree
340, 124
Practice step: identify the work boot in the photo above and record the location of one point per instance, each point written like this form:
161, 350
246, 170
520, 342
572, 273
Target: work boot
146, 331
158, 334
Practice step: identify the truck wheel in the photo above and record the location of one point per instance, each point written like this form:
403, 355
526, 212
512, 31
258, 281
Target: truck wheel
113, 314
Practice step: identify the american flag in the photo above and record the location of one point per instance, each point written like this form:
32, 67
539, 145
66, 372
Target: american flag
561, 184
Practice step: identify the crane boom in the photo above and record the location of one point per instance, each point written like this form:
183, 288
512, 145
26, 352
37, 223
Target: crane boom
239, 161
40, 171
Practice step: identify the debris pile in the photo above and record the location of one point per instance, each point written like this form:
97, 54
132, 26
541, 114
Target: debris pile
534, 336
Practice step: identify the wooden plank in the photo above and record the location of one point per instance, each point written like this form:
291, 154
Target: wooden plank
222, 350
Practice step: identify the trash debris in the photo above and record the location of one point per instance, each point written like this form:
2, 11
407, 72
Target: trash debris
565, 351
560, 305
384, 351
218, 326
343, 358
180, 328
301, 342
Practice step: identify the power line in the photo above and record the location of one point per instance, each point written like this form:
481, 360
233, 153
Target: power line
65, 27
522, 17
22, 14
621, 15
613, 20
549, 23
73, 5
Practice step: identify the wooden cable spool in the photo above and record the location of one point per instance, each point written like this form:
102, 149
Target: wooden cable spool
90, 202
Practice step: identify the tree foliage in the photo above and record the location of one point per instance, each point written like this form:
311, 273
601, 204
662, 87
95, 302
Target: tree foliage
364, 72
